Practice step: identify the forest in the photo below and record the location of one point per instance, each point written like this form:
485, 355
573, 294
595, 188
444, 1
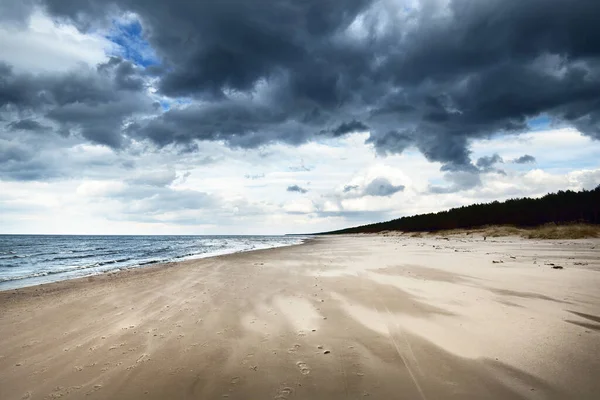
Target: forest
563, 207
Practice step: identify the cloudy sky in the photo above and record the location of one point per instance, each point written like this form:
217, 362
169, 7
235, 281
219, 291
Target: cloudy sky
288, 116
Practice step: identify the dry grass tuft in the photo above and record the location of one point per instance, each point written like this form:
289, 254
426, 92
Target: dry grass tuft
503, 230
548, 231
575, 231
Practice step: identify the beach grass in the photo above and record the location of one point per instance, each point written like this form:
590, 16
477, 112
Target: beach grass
546, 231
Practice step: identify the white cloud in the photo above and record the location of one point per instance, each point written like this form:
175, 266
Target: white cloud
302, 206
99, 188
44, 45
163, 191
559, 150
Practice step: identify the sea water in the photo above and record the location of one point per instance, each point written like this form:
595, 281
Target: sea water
27, 260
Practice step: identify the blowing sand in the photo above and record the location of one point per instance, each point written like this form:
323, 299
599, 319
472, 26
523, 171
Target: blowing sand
336, 318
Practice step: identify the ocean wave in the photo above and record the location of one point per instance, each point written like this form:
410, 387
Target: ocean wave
77, 257
189, 255
85, 250
14, 256
114, 255
157, 251
63, 270
151, 262
61, 258
18, 278
114, 261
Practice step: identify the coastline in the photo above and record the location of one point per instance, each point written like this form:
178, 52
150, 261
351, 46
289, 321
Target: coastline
334, 317
47, 277
126, 273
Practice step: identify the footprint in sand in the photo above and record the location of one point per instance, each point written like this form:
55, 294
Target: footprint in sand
304, 370
283, 393
144, 357
294, 349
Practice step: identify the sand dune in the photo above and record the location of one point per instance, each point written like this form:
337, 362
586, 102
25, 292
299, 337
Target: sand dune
337, 318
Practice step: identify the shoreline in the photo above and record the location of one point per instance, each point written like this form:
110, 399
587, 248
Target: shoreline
333, 318
143, 266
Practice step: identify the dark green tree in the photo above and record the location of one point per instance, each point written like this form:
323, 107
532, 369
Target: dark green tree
559, 208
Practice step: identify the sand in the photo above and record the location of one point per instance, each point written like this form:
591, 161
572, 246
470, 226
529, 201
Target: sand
347, 317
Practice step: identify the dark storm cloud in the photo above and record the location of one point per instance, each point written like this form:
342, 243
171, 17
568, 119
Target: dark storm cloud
381, 187
15, 11
434, 77
349, 127
93, 103
525, 159
19, 162
296, 188
238, 123
498, 63
27, 125
126, 75
467, 176
488, 161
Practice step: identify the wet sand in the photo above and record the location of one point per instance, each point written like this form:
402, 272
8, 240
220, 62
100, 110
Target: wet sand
350, 317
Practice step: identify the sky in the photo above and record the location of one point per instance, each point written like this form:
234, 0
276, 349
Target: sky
288, 116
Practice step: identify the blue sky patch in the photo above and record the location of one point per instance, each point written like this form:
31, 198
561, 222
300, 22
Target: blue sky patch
128, 35
541, 122
164, 105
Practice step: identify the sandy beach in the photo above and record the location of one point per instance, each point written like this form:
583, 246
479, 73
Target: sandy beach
346, 317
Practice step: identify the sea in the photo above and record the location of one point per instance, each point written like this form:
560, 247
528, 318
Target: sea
27, 260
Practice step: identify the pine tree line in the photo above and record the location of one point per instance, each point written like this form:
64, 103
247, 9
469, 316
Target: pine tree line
559, 208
